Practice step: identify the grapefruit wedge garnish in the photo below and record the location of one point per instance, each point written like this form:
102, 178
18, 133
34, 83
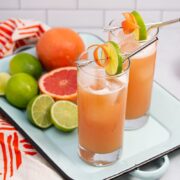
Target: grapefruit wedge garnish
61, 83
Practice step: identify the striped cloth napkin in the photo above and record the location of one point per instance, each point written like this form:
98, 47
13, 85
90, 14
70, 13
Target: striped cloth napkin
15, 33
18, 158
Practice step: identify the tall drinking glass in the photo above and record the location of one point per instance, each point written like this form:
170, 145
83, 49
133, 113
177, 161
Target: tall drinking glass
140, 77
101, 112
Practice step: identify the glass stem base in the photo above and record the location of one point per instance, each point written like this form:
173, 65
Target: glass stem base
96, 159
132, 124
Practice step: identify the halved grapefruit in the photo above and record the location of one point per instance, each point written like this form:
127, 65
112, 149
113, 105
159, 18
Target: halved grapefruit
61, 83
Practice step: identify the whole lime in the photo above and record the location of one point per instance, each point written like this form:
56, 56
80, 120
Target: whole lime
27, 63
20, 89
4, 77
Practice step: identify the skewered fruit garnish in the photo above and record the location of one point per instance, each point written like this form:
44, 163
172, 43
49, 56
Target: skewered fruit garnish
108, 56
134, 23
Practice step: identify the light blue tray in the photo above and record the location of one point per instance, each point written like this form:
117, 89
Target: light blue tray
158, 137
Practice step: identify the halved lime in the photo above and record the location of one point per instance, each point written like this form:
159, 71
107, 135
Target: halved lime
115, 64
4, 77
141, 24
38, 111
64, 115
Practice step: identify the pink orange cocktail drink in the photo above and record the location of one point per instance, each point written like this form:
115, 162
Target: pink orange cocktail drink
140, 83
101, 111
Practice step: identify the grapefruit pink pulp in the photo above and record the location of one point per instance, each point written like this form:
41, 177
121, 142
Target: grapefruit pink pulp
61, 83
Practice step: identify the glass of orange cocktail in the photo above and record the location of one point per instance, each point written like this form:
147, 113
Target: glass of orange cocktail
141, 74
101, 112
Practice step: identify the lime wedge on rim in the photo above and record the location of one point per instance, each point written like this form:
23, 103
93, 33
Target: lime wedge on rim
38, 110
141, 24
4, 77
64, 115
115, 64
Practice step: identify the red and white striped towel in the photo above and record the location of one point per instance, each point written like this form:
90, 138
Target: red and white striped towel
18, 159
15, 33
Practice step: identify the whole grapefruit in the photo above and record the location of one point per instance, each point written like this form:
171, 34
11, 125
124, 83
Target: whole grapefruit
59, 47
61, 83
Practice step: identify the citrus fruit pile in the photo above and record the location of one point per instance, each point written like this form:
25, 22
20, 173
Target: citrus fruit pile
134, 23
22, 88
108, 56
48, 97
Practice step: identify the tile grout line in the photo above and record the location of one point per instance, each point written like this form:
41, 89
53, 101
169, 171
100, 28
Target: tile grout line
86, 9
161, 15
136, 4
77, 4
19, 4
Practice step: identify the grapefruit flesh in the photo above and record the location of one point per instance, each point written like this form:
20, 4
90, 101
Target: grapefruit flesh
59, 47
61, 84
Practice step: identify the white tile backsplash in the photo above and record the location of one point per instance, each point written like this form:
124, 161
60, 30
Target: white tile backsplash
96, 31
106, 4
35, 15
87, 14
110, 15
75, 18
167, 15
9, 4
148, 16
49, 4
151, 16
158, 4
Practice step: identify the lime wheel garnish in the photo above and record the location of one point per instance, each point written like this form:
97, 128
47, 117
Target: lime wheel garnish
141, 24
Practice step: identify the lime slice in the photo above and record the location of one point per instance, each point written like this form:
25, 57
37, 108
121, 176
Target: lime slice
38, 111
141, 24
64, 115
4, 77
115, 64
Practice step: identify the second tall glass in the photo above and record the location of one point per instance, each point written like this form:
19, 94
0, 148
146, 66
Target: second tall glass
141, 75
